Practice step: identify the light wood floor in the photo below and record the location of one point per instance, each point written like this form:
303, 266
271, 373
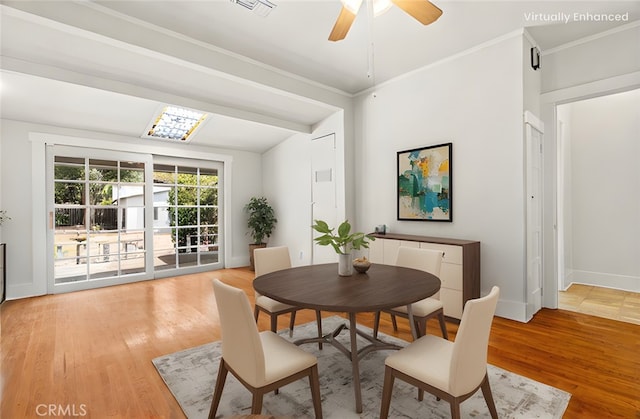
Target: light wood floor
91, 351
602, 302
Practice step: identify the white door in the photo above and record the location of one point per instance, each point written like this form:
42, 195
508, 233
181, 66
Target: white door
323, 191
534, 129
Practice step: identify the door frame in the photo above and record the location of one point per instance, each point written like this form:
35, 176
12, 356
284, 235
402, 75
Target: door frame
548, 103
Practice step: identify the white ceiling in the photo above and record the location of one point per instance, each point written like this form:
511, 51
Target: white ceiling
108, 66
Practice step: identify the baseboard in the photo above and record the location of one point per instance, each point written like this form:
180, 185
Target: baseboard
513, 310
607, 280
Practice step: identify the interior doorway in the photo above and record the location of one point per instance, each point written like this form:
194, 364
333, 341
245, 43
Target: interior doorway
598, 192
598, 205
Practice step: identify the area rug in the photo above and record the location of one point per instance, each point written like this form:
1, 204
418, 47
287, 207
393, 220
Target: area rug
190, 376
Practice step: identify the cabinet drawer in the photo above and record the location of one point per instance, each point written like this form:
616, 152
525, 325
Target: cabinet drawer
376, 251
452, 302
451, 276
452, 254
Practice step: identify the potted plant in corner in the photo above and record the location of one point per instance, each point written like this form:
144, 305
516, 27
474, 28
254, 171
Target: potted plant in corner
261, 223
342, 242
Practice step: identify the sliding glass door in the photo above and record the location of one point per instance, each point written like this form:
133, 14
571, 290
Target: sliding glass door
122, 217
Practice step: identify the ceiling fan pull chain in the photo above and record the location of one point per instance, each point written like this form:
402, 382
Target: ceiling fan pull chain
371, 74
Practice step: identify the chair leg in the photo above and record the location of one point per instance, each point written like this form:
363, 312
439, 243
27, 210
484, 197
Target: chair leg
319, 322
292, 322
488, 397
256, 312
394, 322
314, 383
421, 328
274, 323
387, 390
443, 326
376, 324
217, 393
256, 404
455, 409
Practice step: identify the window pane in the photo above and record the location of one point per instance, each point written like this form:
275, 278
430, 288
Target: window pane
187, 195
187, 259
163, 173
187, 216
208, 177
190, 173
131, 172
161, 216
132, 218
102, 194
104, 219
70, 217
187, 239
208, 216
209, 257
104, 170
69, 193
208, 239
69, 169
209, 196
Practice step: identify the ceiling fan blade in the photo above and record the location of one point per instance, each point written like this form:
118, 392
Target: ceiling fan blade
342, 26
423, 11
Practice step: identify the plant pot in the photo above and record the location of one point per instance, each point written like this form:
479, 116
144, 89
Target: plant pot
345, 266
252, 247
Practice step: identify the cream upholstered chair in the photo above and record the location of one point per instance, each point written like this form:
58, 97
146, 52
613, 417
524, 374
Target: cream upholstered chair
429, 261
261, 361
270, 259
452, 371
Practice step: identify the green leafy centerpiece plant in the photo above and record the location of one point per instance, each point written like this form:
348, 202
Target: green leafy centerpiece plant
343, 242
261, 223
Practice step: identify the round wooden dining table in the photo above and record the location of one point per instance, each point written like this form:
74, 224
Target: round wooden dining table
319, 287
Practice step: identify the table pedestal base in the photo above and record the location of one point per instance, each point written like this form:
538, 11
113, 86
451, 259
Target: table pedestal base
354, 354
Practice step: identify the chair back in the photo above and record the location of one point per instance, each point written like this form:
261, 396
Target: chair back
241, 344
469, 357
269, 259
427, 260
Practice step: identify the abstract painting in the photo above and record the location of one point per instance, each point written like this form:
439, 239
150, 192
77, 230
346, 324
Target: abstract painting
424, 183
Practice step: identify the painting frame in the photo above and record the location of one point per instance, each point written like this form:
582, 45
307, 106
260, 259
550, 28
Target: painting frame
425, 183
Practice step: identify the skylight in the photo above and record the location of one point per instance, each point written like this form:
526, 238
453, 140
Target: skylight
175, 123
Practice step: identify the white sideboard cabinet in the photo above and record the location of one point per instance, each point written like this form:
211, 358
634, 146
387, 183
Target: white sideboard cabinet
459, 273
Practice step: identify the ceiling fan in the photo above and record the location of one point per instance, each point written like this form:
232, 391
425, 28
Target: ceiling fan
423, 11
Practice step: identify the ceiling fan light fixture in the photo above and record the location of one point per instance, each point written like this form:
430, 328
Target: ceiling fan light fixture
381, 6
352, 5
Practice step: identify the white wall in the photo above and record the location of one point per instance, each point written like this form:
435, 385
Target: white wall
605, 190
16, 180
615, 53
286, 178
475, 101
